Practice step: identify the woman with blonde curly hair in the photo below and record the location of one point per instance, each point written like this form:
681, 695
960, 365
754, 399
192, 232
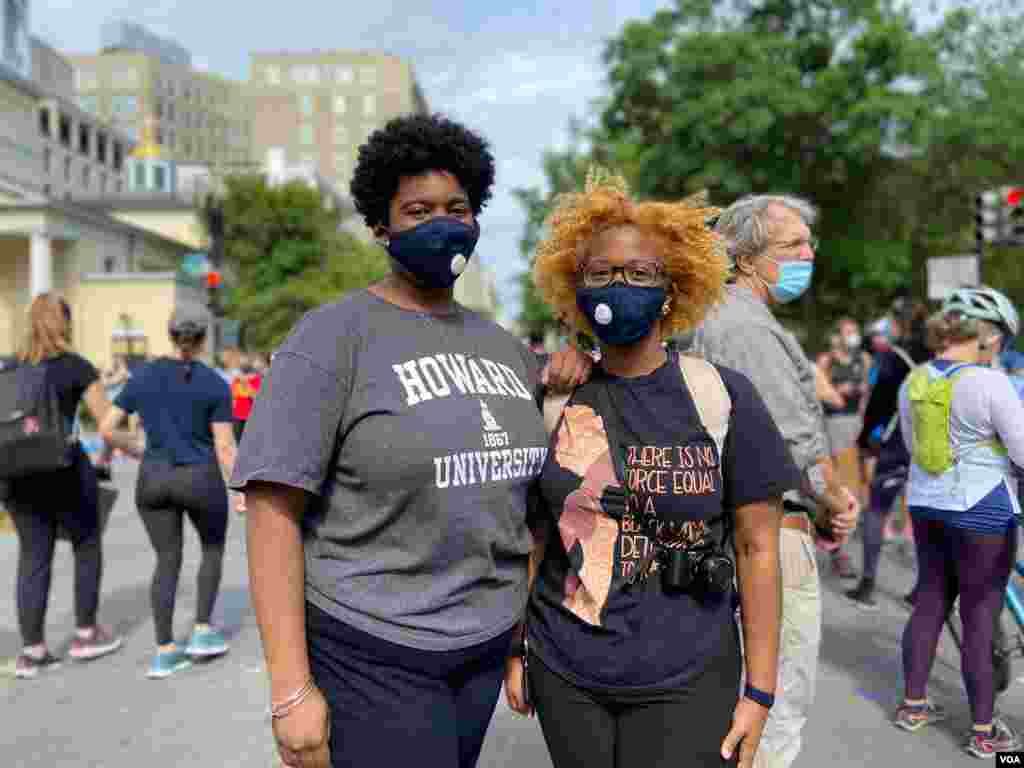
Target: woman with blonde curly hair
632, 650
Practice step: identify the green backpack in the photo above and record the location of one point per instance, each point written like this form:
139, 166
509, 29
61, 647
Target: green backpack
931, 400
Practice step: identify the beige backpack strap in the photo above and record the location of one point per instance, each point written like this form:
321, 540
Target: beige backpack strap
553, 405
714, 405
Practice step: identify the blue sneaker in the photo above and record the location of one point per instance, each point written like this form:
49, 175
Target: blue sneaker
206, 642
167, 663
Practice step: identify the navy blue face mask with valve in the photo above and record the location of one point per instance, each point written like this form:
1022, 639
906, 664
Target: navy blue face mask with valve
435, 252
621, 314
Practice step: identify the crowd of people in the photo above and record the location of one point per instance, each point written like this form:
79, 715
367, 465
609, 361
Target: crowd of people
623, 538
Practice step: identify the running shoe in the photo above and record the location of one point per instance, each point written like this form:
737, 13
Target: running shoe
987, 745
911, 718
101, 642
166, 663
206, 642
863, 597
27, 667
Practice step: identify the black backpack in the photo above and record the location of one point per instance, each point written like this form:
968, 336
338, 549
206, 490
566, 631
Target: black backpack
34, 437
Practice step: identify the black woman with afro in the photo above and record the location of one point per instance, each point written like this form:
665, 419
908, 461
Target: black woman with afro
386, 467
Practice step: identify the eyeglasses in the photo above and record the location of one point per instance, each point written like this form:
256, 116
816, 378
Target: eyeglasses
793, 245
640, 274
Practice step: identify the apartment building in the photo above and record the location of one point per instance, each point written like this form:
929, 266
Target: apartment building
138, 80
319, 106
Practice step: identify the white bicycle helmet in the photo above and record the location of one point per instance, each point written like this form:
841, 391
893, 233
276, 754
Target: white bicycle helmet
984, 303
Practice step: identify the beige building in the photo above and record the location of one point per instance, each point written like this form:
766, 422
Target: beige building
197, 116
318, 107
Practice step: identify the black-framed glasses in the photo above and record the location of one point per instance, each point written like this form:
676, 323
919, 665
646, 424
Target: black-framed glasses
640, 274
793, 245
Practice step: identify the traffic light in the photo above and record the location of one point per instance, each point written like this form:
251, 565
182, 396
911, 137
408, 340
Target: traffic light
988, 218
213, 285
1013, 222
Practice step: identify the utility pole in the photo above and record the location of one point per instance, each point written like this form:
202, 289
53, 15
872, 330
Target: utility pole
213, 212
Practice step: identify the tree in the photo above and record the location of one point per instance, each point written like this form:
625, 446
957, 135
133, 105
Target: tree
564, 171
289, 256
889, 128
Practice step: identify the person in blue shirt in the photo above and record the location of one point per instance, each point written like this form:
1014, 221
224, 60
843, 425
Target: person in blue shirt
189, 453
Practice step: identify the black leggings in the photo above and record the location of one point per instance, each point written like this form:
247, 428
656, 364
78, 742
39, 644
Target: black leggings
164, 494
976, 566
685, 727
38, 505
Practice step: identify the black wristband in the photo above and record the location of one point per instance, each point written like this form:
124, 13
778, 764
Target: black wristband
758, 696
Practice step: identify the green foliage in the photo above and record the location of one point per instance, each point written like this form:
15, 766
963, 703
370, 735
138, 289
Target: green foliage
289, 257
890, 128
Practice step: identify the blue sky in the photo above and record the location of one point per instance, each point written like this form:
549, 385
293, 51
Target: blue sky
516, 75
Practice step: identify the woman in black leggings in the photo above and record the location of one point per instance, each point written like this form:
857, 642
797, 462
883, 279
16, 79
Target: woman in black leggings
39, 503
190, 450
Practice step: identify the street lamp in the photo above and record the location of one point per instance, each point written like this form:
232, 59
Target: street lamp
213, 214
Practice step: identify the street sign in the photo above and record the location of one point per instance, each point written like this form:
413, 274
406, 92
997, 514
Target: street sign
947, 273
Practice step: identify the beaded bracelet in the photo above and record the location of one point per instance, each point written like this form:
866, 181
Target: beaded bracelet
277, 711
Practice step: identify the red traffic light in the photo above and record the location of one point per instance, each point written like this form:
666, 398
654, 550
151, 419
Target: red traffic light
1014, 195
213, 279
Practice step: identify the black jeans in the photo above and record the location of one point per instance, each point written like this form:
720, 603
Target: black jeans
38, 505
164, 495
392, 705
684, 727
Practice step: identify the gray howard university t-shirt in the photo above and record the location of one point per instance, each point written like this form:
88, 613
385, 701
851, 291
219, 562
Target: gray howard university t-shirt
419, 437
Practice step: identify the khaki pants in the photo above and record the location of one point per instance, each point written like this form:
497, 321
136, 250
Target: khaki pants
798, 652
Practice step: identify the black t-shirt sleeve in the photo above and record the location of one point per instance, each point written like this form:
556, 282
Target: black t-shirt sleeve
85, 373
756, 466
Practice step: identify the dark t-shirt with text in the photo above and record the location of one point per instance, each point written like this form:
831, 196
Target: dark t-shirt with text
418, 437
586, 622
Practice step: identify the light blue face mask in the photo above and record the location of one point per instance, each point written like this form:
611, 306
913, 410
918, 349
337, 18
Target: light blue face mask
794, 280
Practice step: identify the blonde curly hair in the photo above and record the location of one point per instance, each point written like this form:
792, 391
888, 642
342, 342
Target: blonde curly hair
694, 255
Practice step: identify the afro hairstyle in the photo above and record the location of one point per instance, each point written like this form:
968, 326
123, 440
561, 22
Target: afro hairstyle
411, 146
694, 255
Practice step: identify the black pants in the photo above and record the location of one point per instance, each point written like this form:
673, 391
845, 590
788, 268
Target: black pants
164, 495
678, 729
38, 505
397, 706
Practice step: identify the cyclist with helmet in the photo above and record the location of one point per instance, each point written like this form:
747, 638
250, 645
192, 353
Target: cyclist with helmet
189, 454
963, 425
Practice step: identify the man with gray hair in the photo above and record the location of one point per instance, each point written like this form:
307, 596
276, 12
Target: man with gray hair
769, 242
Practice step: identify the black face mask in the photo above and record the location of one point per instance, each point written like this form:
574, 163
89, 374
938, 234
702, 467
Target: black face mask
436, 251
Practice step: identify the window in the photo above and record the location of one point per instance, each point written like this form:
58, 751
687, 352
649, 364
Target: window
67, 170
340, 105
85, 79
306, 134
307, 104
85, 176
170, 111
103, 183
65, 130
101, 147
159, 178
124, 77
306, 75
140, 176
118, 156
340, 133
343, 74
272, 75
160, 136
126, 105
47, 160
84, 135
119, 187
44, 121
368, 75
370, 104
88, 104
308, 160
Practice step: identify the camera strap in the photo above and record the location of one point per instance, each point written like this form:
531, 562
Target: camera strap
615, 431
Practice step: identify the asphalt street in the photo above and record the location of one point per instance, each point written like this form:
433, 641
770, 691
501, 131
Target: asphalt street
106, 714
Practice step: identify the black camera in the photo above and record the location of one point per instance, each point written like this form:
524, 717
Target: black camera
706, 570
